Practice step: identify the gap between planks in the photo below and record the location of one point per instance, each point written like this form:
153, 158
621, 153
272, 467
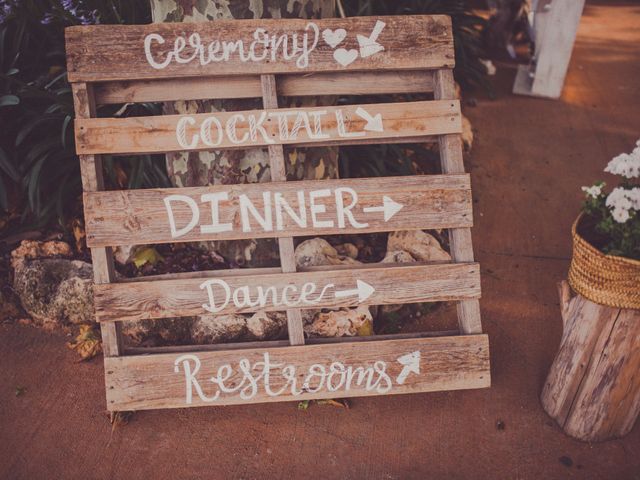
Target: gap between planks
461, 246
284, 343
290, 85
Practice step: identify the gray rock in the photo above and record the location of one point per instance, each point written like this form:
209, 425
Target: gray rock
207, 329
160, 331
55, 291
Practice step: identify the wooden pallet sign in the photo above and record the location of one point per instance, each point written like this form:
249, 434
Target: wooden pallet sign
267, 59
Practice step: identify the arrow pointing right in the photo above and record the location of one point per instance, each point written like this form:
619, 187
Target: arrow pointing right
363, 290
389, 206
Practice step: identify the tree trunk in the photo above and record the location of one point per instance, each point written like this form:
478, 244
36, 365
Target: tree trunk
593, 387
252, 165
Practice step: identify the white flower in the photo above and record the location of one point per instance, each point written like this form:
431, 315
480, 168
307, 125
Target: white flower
620, 215
619, 199
626, 164
593, 191
634, 196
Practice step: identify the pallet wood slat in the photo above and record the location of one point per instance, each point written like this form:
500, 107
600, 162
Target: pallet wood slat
295, 328
340, 288
246, 129
297, 373
118, 52
92, 180
289, 85
459, 238
382, 204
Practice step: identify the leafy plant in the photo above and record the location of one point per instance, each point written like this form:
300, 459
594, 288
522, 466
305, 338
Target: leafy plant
39, 170
614, 218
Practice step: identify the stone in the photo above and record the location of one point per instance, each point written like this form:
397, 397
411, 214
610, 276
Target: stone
397, 256
267, 325
317, 251
208, 329
32, 249
347, 250
124, 254
55, 291
343, 322
162, 331
422, 246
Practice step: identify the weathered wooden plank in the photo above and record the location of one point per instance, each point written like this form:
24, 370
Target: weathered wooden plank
292, 209
459, 238
288, 85
295, 328
92, 180
297, 373
340, 288
254, 47
215, 131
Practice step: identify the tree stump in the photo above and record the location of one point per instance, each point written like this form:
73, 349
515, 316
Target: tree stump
593, 387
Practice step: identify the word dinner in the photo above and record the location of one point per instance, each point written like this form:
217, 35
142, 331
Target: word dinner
310, 209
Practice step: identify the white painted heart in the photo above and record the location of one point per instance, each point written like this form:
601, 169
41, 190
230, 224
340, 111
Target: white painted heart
334, 37
345, 57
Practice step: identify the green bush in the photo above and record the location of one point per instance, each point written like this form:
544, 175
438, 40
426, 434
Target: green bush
39, 170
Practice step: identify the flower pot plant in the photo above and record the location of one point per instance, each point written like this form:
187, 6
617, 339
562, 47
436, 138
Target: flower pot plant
605, 266
593, 390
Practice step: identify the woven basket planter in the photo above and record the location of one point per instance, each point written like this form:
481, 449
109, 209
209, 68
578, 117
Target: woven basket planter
604, 279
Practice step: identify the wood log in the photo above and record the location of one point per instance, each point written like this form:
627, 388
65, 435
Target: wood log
593, 387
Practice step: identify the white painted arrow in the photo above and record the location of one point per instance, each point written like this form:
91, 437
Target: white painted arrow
389, 207
411, 364
363, 290
369, 45
374, 124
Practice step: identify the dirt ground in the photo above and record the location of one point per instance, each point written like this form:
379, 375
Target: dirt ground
530, 158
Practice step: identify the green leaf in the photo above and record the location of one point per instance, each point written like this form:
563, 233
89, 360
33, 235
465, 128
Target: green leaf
8, 100
29, 127
65, 125
7, 167
4, 202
